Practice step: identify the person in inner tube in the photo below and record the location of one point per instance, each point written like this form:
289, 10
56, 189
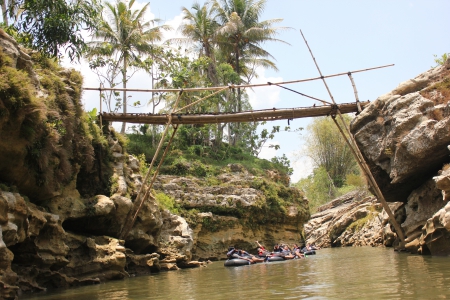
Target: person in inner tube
277, 248
234, 253
286, 253
261, 250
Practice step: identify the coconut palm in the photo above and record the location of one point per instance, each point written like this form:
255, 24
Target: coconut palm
199, 29
242, 34
127, 34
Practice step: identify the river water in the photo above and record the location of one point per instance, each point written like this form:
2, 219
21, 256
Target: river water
337, 273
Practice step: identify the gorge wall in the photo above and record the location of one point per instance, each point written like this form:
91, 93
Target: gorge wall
405, 138
66, 187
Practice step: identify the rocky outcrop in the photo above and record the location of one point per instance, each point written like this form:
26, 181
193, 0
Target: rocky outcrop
404, 134
234, 210
60, 214
355, 219
404, 137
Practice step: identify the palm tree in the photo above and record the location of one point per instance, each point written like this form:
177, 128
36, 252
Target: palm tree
242, 35
200, 29
10, 9
125, 33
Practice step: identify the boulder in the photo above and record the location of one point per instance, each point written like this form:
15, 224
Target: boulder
354, 219
436, 233
404, 134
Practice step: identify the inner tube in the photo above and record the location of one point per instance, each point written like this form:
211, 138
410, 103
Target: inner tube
310, 252
236, 262
275, 258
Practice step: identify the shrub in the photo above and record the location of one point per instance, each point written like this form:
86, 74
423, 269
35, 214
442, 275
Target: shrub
167, 202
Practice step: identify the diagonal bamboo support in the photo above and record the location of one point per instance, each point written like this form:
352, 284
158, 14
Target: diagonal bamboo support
137, 205
358, 155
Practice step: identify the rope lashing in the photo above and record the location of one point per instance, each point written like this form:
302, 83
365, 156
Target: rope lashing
304, 95
334, 110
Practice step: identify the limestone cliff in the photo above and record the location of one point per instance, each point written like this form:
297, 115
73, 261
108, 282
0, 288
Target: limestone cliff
404, 137
66, 187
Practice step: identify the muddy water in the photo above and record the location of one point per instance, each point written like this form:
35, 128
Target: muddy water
338, 273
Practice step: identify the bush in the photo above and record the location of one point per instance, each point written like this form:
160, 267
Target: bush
167, 202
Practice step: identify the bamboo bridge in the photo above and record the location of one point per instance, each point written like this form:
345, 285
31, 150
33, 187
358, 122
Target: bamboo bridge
178, 116
273, 114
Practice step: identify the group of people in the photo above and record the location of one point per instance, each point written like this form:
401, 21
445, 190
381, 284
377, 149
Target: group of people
263, 254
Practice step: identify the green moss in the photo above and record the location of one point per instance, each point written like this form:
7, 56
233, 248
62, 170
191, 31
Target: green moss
167, 202
359, 224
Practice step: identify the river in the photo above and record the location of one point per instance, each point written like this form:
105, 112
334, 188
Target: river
337, 273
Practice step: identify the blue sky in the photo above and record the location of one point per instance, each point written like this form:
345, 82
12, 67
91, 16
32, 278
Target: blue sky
344, 36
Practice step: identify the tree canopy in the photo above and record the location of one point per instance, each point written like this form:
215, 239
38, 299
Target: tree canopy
53, 27
335, 168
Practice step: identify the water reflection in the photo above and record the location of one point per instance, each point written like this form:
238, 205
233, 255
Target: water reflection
342, 273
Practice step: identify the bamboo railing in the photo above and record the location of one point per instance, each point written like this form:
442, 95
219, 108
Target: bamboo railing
245, 116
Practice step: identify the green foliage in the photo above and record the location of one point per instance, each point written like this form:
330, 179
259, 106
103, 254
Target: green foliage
327, 148
190, 215
284, 163
167, 202
440, 61
125, 35
318, 188
141, 144
48, 26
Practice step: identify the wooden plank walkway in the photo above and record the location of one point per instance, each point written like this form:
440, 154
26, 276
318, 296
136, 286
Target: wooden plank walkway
245, 116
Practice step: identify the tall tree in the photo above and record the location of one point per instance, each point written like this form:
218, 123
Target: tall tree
200, 29
125, 33
53, 27
242, 34
328, 149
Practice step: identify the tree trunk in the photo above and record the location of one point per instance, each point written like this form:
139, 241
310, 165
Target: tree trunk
124, 100
239, 104
4, 12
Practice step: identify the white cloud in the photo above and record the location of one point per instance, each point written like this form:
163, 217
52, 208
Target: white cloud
302, 166
264, 97
269, 152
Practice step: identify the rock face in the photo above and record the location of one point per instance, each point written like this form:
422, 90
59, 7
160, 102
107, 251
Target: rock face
66, 189
404, 134
234, 211
355, 219
57, 226
404, 137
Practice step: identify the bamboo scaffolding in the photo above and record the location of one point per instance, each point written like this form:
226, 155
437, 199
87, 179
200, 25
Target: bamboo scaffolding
175, 118
358, 155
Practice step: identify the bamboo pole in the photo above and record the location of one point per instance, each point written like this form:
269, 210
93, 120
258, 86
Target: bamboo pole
101, 109
231, 86
128, 224
200, 100
360, 159
355, 91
